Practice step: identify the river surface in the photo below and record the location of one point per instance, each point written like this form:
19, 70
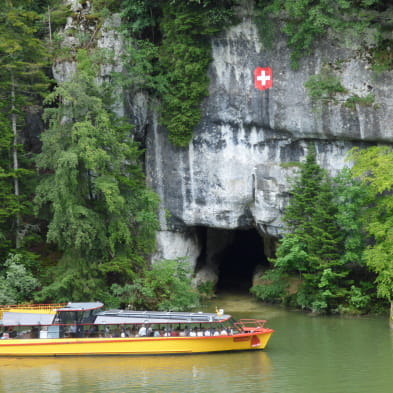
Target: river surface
306, 354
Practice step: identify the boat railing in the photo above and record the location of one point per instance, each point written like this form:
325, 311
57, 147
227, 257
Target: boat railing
39, 308
250, 325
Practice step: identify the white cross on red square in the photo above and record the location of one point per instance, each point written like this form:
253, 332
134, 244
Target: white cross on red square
263, 78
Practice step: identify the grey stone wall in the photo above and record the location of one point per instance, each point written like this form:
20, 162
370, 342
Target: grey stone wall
232, 174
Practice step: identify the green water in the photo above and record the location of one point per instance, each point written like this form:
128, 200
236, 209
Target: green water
305, 355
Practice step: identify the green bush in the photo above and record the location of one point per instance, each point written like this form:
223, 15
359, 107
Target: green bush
324, 87
352, 101
274, 287
185, 57
307, 21
358, 299
17, 284
165, 286
206, 289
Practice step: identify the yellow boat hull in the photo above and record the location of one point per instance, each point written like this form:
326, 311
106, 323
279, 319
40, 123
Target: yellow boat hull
134, 346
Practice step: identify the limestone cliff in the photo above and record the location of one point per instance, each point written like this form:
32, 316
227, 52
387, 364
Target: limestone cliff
234, 173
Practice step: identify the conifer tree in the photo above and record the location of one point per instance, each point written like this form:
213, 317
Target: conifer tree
314, 241
101, 215
22, 83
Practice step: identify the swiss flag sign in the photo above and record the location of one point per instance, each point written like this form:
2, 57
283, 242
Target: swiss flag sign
263, 78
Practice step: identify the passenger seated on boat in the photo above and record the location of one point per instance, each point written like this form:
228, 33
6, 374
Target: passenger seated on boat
156, 333
224, 332
207, 332
93, 331
142, 331
200, 333
72, 330
12, 333
187, 330
167, 332
134, 332
80, 331
25, 334
34, 332
193, 333
216, 333
182, 333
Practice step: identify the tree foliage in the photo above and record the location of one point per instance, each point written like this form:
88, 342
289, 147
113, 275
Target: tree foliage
185, 57
314, 243
306, 21
17, 283
23, 82
164, 286
374, 167
352, 199
102, 215
311, 221
334, 226
182, 31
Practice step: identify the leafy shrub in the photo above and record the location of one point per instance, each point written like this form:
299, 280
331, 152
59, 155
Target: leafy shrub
382, 56
304, 22
358, 299
166, 286
351, 102
185, 57
324, 86
206, 289
273, 288
17, 284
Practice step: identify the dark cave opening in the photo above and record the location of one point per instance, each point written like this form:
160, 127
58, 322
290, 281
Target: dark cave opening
230, 258
238, 261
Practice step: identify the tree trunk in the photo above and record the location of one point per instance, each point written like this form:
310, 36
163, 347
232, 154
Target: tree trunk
15, 160
49, 25
391, 315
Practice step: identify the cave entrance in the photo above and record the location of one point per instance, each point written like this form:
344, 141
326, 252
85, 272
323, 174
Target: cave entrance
234, 256
238, 262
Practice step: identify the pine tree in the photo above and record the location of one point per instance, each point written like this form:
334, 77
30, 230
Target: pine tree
22, 82
314, 241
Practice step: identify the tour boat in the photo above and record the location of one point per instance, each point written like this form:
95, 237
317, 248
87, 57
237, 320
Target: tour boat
84, 329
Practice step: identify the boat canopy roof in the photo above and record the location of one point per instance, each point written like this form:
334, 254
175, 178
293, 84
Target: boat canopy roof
26, 319
150, 317
75, 306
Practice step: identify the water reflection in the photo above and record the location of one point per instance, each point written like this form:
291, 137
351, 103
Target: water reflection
199, 373
305, 355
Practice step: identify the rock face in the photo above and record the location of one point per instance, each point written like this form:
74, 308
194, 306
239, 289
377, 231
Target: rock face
234, 173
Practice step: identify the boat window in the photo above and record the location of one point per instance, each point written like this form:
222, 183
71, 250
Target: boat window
69, 317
